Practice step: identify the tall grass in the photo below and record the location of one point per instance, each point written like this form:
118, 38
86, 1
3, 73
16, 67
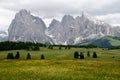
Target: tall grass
61, 65
64, 54
59, 70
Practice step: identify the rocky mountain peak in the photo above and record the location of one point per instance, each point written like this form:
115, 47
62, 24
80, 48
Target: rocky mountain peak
67, 19
87, 17
27, 28
22, 13
54, 21
84, 14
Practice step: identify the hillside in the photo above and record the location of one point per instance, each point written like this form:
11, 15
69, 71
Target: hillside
106, 42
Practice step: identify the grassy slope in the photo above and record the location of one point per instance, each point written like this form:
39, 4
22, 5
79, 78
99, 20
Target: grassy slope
114, 42
104, 42
60, 65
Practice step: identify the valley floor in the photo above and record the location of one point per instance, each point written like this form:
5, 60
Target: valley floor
61, 65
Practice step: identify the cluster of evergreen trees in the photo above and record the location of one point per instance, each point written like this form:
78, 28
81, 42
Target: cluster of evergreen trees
20, 46
60, 46
81, 55
11, 56
77, 55
8, 45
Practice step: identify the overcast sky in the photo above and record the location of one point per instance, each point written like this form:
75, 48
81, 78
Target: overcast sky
106, 10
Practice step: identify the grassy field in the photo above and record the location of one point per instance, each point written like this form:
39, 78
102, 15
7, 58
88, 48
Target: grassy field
60, 65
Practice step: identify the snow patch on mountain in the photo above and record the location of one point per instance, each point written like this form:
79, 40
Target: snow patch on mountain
48, 34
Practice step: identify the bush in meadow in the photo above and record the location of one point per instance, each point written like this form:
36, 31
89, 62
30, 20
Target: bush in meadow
60, 47
17, 56
42, 56
10, 56
28, 56
76, 54
81, 55
88, 53
94, 55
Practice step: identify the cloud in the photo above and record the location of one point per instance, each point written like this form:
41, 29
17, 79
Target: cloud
113, 19
49, 9
62, 6
6, 17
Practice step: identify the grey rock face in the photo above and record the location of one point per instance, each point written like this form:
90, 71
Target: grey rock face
27, 28
116, 31
75, 30
70, 30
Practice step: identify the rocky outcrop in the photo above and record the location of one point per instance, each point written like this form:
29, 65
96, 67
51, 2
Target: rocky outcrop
75, 30
27, 28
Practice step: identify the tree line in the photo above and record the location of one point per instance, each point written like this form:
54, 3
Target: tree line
8, 45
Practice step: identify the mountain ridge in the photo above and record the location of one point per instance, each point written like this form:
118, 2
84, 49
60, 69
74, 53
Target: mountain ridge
69, 31
27, 28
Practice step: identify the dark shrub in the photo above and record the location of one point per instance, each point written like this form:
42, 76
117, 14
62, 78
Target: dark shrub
28, 48
113, 56
10, 56
42, 56
94, 55
36, 48
28, 56
69, 47
65, 47
76, 54
59, 47
81, 55
88, 54
17, 56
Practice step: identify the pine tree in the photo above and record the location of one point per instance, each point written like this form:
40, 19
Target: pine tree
76, 55
88, 54
81, 55
59, 47
10, 56
94, 55
28, 56
17, 56
42, 56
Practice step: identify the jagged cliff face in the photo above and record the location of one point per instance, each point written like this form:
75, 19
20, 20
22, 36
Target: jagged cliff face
75, 30
27, 28
116, 31
70, 30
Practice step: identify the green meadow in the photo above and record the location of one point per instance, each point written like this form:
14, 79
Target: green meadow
61, 65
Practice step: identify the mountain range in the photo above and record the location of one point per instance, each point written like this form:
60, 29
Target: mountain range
28, 28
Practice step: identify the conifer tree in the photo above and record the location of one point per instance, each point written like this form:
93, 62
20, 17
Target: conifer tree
17, 56
81, 55
76, 55
94, 55
42, 56
28, 56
